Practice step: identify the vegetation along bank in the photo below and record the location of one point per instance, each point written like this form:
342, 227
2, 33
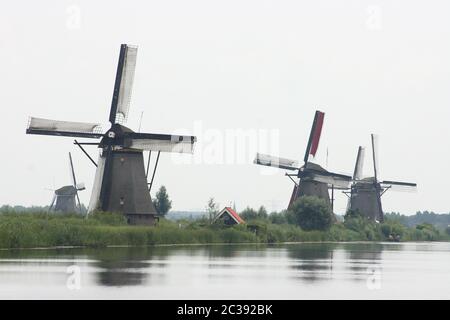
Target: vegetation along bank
308, 220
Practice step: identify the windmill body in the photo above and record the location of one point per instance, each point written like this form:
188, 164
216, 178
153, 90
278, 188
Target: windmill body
310, 179
120, 183
365, 198
66, 198
365, 193
310, 187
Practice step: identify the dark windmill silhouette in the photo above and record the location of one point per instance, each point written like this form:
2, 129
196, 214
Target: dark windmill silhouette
66, 199
310, 179
120, 183
365, 193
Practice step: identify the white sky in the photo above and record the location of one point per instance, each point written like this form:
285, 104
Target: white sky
371, 66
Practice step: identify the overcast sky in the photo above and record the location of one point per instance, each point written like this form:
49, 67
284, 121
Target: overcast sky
219, 69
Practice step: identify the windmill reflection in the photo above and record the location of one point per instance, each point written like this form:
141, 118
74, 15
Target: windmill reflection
362, 259
312, 261
129, 266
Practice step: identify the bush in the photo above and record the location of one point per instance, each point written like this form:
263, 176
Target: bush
236, 235
357, 223
278, 218
425, 226
386, 230
312, 213
338, 232
397, 229
353, 214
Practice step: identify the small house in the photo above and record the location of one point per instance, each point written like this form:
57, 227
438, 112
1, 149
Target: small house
228, 216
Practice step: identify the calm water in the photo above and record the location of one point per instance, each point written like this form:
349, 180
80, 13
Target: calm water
291, 271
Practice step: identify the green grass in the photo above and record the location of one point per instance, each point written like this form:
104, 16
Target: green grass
19, 230
32, 230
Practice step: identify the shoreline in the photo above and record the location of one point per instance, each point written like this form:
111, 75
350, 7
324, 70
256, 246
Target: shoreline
223, 244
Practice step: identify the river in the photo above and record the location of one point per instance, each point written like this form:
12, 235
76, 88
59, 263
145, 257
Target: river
285, 271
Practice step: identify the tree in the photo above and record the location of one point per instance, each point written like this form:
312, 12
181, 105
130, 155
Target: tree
424, 226
212, 208
248, 214
262, 213
312, 213
161, 202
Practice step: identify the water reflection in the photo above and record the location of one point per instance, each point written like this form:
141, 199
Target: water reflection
363, 257
326, 261
305, 270
109, 266
312, 261
128, 266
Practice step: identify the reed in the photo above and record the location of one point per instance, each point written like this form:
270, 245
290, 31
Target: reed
41, 229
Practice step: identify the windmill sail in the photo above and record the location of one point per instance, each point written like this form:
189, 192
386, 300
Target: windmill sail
124, 84
64, 128
271, 161
72, 172
314, 136
331, 178
95, 195
399, 186
399, 183
376, 170
74, 181
357, 174
160, 142
293, 196
52, 203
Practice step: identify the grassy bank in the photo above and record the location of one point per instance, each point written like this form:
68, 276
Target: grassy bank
25, 230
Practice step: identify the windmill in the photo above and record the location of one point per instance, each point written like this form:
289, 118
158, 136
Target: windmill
120, 183
66, 199
313, 180
365, 193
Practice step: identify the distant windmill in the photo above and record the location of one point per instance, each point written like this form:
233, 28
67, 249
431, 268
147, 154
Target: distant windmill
365, 193
313, 179
120, 183
66, 198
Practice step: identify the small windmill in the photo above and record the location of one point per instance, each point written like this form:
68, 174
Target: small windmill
310, 179
120, 183
66, 198
365, 193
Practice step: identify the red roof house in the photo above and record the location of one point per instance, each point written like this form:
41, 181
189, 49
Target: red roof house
228, 216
